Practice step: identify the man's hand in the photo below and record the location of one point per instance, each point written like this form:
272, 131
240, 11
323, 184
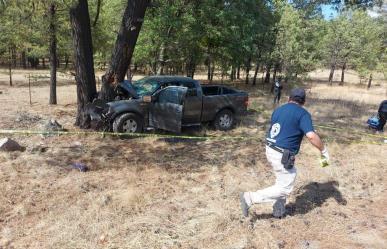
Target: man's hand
324, 158
325, 154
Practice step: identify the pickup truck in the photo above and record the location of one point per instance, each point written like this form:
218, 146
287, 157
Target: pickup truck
168, 103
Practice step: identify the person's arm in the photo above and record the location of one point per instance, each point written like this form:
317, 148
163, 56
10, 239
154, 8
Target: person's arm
315, 140
306, 126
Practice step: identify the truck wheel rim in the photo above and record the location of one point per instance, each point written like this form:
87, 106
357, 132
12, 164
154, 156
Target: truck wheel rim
225, 120
129, 125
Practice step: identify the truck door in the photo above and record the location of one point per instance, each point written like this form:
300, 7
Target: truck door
166, 110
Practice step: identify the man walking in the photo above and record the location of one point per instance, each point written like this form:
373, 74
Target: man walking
382, 114
277, 90
289, 124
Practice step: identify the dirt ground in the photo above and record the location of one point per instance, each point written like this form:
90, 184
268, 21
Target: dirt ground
175, 193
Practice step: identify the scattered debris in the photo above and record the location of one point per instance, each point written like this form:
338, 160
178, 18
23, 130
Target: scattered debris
53, 125
24, 119
39, 149
7, 144
81, 166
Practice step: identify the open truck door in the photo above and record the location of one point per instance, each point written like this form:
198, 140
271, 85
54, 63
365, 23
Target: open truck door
166, 109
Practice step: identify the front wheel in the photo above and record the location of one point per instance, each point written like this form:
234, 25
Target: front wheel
224, 120
128, 123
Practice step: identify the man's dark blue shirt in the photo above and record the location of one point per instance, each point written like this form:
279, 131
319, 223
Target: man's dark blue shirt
289, 124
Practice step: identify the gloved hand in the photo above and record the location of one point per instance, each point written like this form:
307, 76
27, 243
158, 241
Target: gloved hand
324, 157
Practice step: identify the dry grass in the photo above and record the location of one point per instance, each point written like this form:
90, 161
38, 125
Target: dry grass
160, 193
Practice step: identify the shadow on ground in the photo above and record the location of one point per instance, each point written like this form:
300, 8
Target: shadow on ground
309, 197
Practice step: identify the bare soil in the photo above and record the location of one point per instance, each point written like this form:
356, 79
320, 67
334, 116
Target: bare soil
174, 193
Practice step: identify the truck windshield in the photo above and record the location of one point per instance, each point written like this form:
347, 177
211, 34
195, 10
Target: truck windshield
145, 86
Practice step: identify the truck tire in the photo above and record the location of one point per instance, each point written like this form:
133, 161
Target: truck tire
128, 123
224, 120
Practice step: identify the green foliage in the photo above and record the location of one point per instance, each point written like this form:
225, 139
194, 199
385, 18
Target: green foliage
184, 34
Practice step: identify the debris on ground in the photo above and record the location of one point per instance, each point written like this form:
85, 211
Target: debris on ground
53, 125
80, 166
39, 149
26, 120
27, 117
7, 144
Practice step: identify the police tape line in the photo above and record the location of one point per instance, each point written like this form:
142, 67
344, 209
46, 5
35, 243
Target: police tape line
138, 135
350, 130
131, 134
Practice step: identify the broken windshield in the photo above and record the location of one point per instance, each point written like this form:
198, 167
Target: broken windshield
145, 86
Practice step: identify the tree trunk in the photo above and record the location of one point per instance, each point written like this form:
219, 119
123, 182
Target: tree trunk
212, 72
84, 64
23, 60
97, 14
161, 60
66, 61
129, 75
342, 73
275, 72
124, 46
232, 74
248, 66
208, 64
238, 76
256, 73
267, 76
190, 66
369, 82
331, 73
53, 55
43, 62
14, 57
10, 67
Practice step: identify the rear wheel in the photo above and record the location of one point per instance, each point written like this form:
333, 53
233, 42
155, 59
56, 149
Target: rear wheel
128, 123
224, 120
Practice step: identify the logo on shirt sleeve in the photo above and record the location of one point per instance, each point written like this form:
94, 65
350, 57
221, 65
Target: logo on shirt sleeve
275, 130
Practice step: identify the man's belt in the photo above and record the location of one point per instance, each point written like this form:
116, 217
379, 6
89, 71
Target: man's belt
274, 147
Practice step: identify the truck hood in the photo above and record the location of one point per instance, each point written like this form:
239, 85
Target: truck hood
127, 87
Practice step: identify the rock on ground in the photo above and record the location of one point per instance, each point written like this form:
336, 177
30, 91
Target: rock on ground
7, 144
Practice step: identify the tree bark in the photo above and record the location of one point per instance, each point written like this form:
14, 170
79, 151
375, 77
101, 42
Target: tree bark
267, 76
369, 81
10, 67
248, 67
23, 59
212, 72
97, 14
161, 60
84, 64
232, 74
256, 73
331, 73
66, 61
238, 76
53, 55
342, 73
124, 46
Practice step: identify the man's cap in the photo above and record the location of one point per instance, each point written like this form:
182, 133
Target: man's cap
298, 94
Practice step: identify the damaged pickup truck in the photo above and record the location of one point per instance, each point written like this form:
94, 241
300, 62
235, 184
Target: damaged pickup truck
168, 103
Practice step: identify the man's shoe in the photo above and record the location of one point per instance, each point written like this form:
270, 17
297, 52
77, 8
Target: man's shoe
279, 210
244, 206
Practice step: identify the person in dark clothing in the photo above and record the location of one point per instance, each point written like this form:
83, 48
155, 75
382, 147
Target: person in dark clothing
382, 113
277, 91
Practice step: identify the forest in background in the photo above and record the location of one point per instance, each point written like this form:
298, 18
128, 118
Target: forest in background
185, 37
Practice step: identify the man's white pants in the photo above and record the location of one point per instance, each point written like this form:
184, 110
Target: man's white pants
283, 186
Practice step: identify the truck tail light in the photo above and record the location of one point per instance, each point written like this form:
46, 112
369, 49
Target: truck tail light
246, 101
